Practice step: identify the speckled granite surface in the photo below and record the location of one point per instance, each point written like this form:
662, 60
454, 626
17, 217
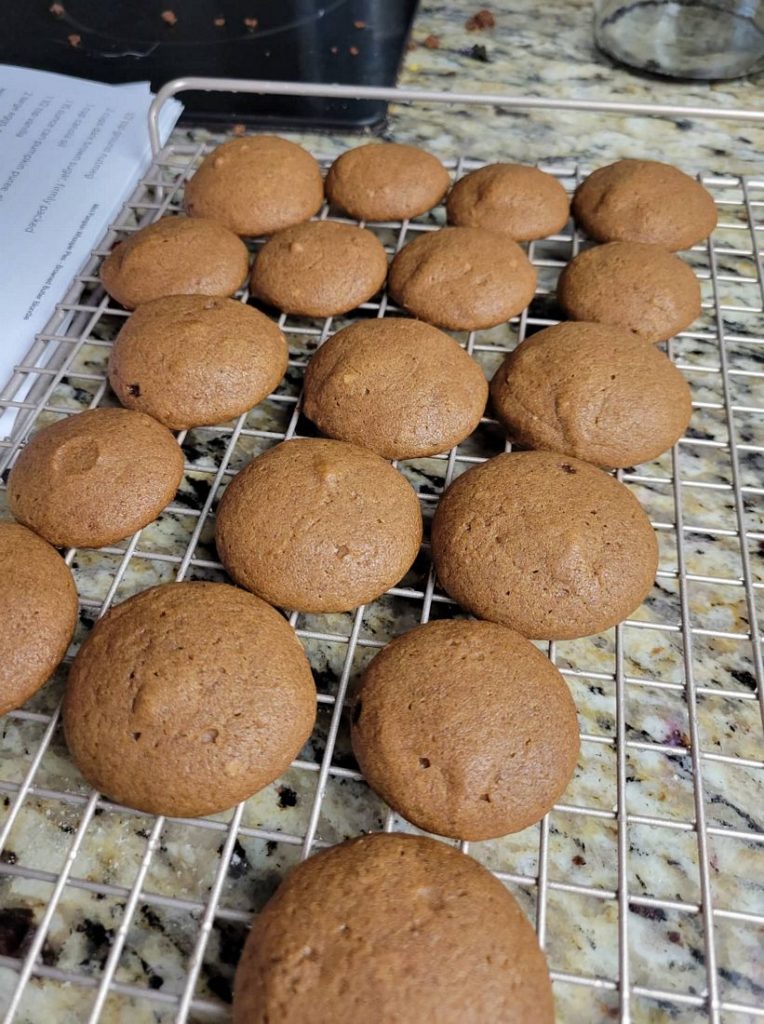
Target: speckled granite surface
568, 869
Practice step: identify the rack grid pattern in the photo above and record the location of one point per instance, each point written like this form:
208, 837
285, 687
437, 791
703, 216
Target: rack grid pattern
641, 885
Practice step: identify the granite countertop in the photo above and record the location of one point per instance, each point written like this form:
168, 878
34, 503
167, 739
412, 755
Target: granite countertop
544, 51
548, 50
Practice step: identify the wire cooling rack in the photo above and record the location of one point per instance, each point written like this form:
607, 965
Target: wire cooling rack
644, 884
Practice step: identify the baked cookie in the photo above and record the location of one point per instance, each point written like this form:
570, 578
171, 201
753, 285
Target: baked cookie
592, 391
392, 927
545, 544
256, 185
399, 387
639, 287
644, 201
38, 613
189, 360
318, 526
95, 478
319, 269
386, 181
175, 256
519, 201
466, 729
188, 698
463, 279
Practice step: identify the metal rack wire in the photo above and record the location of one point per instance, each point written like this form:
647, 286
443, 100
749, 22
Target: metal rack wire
640, 884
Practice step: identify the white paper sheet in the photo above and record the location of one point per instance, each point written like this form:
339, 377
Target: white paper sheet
71, 152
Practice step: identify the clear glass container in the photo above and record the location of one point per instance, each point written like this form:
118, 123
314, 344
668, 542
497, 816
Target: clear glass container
707, 39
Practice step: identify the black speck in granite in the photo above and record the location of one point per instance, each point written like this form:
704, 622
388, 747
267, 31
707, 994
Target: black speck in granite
155, 981
17, 925
270, 847
200, 491
293, 376
86, 617
192, 451
743, 981
740, 815
287, 797
152, 920
699, 434
230, 940
683, 124
479, 53
430, 486
326, 680
651, 913
8, 857
708, 537
99, 942
81, 396
744, 677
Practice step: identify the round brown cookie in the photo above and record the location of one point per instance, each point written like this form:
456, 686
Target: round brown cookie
318, 526
95, 478
256, 185
188, 698
466, 729
175, 256
521, 202
392, 927
319, 269
644, 201
545, 544
190, 360
38, 613
398, 387
592, 391
386, 181
641, 288
463, 279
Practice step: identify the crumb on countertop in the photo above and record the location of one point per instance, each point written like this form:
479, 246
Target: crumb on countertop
74, 40
353, 51
238, 129
483, 19
432, 42
359, 24
219, 22
57, 10
169, 17
251, 23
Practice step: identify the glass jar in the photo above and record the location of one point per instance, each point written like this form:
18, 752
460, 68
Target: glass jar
708, 39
